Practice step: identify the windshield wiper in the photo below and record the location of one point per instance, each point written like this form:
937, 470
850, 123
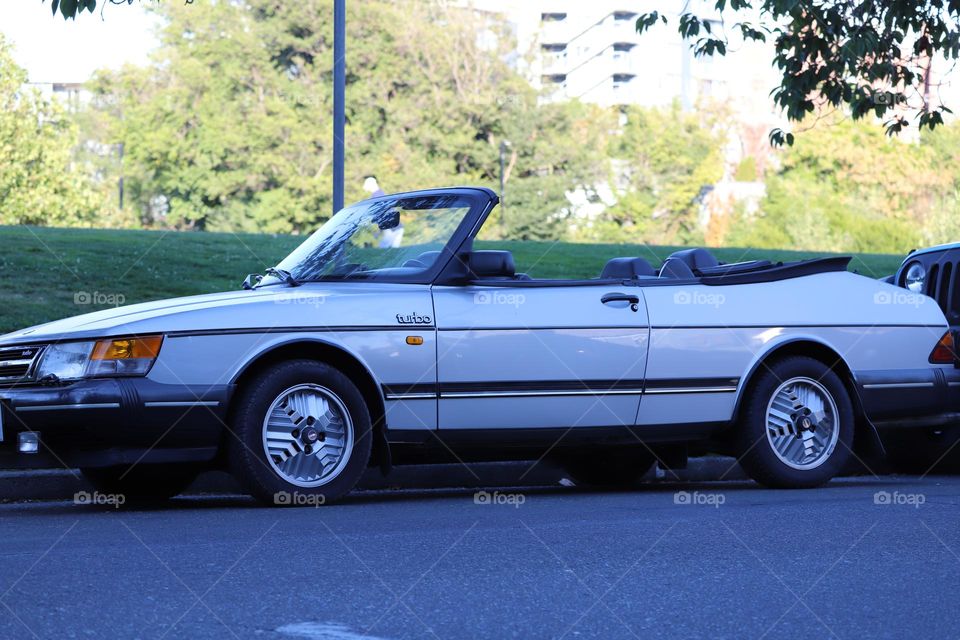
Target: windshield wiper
284, 275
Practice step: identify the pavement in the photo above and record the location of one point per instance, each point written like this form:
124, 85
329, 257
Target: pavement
863, 557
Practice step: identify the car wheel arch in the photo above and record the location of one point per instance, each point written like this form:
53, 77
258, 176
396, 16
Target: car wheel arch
812, 348
335, 356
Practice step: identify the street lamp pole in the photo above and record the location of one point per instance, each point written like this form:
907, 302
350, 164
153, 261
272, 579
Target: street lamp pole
504, 145
339, 99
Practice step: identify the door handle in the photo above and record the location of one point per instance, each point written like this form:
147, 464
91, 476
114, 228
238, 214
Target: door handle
631, 298
620, 297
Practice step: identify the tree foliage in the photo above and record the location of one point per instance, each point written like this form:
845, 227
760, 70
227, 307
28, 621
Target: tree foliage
230, 128
873, 57
39, 182
845, 186
70, 9
662, 161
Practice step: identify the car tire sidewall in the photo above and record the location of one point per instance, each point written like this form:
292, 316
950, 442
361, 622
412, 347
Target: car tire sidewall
756, 453
248, 458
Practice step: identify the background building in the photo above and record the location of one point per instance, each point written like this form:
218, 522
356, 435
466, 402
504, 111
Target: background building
591, 51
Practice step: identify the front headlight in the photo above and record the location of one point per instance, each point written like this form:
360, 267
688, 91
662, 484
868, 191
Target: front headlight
66, 361
915, 277
104, 358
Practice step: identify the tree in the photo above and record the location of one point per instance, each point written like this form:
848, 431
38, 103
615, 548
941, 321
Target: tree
39, 182
557, 148
844, 186
871, 56
666, 158
230, 127
70, 9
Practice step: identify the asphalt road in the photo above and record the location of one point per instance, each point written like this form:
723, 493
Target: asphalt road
864, 557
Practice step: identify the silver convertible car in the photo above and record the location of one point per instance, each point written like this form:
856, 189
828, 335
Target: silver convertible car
388, 337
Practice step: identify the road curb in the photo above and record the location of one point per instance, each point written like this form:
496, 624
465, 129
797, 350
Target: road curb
64, 484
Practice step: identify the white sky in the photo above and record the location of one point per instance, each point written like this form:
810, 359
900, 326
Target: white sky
56, 50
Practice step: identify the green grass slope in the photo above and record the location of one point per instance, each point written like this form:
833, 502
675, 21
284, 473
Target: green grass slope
46, 274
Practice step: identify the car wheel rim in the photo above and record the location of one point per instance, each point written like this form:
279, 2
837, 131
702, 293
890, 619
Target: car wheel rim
803, 424
308, 435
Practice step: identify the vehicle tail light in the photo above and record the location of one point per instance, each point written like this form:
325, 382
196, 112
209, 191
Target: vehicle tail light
945, 352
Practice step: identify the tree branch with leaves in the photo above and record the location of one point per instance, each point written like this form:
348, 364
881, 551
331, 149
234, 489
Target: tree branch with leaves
872, 57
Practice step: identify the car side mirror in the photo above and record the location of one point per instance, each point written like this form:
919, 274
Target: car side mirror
252, 281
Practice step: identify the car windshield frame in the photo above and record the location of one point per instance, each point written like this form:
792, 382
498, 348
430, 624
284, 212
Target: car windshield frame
476, 201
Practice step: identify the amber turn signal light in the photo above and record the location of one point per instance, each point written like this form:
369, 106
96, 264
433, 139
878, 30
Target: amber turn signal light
414, 340
945, 352
127, 348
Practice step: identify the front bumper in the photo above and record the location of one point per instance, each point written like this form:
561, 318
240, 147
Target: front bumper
104, 422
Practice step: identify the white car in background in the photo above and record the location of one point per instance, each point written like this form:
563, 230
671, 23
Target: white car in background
348, 355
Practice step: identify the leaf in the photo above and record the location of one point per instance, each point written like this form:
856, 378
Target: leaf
68, 8
54, 5
647, 20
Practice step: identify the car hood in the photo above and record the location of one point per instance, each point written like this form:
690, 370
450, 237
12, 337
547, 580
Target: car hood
274, 307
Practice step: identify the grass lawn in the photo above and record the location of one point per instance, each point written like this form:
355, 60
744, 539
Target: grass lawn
42, 270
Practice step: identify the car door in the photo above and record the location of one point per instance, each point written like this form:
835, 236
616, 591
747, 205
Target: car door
552, 356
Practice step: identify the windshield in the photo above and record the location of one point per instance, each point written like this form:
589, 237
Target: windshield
387, 238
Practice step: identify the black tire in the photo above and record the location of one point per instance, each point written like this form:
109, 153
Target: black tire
610, 468
755, 452
142, 483
246, 454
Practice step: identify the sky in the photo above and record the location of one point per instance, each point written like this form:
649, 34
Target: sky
55, 50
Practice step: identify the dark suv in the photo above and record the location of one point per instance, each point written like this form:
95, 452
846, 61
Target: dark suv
935, 272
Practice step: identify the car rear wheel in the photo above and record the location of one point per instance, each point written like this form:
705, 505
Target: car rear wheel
301, 434
608, 469
142, 482
796, 427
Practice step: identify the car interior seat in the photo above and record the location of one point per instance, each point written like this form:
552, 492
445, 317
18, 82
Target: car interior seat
627, 269
677, 269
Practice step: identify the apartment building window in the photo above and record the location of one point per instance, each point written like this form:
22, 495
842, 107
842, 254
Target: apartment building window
619, 17
554, 53
621, 79
620, 49
553, 17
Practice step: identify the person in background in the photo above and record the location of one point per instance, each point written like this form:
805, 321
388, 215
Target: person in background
389, 238
371, 186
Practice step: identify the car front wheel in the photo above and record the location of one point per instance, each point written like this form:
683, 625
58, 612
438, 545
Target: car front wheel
796, 428
301, 434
